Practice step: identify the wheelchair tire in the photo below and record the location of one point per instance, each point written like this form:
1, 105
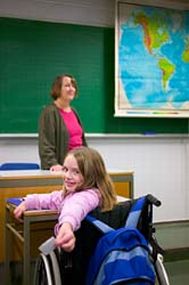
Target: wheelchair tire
47, 270
55, 268
161, 272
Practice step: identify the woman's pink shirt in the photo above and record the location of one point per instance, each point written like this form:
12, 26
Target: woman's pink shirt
74, 129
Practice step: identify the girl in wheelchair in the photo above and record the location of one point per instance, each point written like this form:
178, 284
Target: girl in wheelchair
86, 186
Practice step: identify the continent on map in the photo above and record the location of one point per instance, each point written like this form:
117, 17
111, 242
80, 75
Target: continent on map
167, 68
185, 54
155, 33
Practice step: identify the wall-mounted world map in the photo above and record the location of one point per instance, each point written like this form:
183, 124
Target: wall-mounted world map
152, 61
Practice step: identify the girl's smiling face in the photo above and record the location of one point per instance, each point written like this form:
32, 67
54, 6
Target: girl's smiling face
72, 176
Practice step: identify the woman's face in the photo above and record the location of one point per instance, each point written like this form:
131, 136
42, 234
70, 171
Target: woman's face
68, 90
72, 176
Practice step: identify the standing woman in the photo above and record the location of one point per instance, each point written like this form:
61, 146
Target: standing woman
60, 128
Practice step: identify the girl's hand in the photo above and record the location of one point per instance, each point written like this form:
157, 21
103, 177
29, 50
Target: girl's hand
56, 168
66, 238
19, 210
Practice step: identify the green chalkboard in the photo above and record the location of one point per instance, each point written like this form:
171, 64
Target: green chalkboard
33, 53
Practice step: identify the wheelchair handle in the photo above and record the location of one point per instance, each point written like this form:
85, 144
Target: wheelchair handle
153, 200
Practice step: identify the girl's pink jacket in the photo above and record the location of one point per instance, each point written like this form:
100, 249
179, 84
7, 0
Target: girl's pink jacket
72, 208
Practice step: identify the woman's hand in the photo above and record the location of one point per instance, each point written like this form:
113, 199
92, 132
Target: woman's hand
66, 238
19, 210
56, 168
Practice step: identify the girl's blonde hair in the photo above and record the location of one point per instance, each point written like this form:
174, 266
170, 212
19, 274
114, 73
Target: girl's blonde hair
93, 170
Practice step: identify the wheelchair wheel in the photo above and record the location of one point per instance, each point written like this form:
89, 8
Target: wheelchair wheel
47, 270
55, 268
42, 274
161, 272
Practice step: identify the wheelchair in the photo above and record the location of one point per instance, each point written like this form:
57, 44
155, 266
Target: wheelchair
61, 268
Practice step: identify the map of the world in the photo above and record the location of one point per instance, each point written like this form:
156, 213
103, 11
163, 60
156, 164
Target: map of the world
153, 61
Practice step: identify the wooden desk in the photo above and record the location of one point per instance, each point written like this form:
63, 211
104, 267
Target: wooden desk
14, 184
21, 234
20, 183
124, 183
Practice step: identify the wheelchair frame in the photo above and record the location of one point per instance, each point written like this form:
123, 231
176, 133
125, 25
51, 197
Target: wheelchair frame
51, 263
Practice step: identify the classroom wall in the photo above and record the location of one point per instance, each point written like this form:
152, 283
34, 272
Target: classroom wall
160, 163
90, 12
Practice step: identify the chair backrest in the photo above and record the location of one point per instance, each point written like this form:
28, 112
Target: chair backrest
19, 166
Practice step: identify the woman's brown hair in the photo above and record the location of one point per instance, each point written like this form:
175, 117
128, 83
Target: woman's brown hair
57, 85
